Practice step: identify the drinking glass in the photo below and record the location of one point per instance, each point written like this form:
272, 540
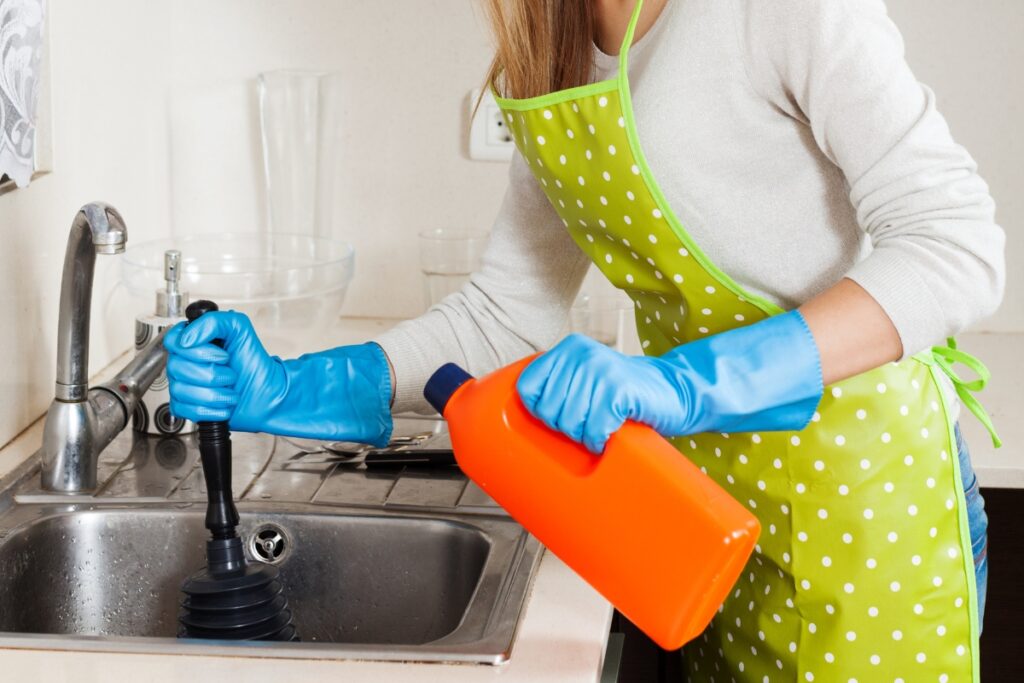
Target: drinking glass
447, 258
607, 318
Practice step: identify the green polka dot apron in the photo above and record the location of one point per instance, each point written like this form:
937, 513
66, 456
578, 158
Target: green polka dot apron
864, 570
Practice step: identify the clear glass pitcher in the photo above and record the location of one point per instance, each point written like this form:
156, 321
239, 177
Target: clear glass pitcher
300, 125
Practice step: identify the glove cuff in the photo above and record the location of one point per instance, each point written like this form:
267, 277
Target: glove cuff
804, 362
380, 375
762, 377
342, 394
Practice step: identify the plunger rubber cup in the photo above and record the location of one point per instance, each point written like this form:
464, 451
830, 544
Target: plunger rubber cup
230, 598
235, 600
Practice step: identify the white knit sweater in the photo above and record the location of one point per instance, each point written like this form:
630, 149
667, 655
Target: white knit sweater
796, 147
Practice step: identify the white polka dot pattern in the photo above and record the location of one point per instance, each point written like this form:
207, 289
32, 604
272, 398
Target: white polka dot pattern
846, 503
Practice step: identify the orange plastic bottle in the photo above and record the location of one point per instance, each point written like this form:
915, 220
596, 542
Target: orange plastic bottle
641, 524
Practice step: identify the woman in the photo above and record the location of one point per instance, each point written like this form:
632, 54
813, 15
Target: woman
787, 209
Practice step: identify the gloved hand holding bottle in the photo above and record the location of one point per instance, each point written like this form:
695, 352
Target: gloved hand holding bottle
765, 376
340, 394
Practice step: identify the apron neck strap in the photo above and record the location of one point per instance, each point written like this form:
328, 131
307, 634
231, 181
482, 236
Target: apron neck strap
627, 41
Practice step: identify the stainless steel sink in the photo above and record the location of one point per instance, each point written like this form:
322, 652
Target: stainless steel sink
367, 579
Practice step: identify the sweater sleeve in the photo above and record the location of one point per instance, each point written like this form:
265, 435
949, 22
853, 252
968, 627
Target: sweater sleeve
516, 304
936, 262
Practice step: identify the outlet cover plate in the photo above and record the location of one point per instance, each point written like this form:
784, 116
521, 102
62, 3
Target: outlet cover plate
489, 136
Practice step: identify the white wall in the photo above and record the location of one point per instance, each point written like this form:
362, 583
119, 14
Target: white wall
155, 112
971, 53
410, 65
109, 140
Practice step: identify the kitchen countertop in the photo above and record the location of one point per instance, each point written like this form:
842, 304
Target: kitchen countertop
564, 628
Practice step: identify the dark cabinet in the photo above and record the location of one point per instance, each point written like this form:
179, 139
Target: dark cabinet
1002, 639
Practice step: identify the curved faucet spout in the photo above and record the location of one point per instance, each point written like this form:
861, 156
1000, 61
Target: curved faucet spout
97, 229
82, 421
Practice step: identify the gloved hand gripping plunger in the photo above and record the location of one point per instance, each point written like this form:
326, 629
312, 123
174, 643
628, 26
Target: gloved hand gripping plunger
230, 598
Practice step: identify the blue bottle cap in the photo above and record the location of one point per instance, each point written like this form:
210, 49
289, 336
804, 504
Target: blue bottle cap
443, 383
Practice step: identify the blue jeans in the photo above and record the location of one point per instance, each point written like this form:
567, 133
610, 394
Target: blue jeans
977, 520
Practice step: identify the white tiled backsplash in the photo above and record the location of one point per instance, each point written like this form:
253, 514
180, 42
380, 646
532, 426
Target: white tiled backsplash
154, 110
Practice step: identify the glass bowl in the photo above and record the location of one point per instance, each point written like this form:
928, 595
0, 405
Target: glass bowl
291, 286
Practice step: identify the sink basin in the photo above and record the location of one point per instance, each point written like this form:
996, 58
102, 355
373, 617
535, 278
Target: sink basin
348, 579
406, 582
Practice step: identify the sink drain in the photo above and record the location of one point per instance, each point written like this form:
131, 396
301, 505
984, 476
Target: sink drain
269, 543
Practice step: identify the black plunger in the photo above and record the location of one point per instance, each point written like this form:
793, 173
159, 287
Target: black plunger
230, 598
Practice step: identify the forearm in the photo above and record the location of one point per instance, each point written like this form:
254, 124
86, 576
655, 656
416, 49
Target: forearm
852, 331
516, 304
463, 333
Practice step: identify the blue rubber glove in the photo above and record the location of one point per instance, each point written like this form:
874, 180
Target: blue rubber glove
761, 377
342, 394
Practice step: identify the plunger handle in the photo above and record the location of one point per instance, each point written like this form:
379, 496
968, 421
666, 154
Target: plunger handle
215, 452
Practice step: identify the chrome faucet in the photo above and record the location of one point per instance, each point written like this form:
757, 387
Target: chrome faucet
81, 422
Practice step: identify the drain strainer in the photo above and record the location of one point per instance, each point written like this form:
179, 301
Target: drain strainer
269, 543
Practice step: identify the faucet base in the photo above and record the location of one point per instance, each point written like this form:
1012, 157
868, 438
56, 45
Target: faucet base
74, 435
68, 451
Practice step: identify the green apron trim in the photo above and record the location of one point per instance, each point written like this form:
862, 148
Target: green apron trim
555, 97
966, 548
627, 40
768, 307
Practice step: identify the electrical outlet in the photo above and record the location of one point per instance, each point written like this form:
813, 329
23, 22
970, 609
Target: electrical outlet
489, 136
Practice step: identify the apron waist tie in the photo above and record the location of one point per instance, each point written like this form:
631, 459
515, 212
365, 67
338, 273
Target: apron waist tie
946, 357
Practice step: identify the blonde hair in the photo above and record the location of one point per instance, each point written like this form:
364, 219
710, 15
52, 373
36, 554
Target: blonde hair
542, 45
